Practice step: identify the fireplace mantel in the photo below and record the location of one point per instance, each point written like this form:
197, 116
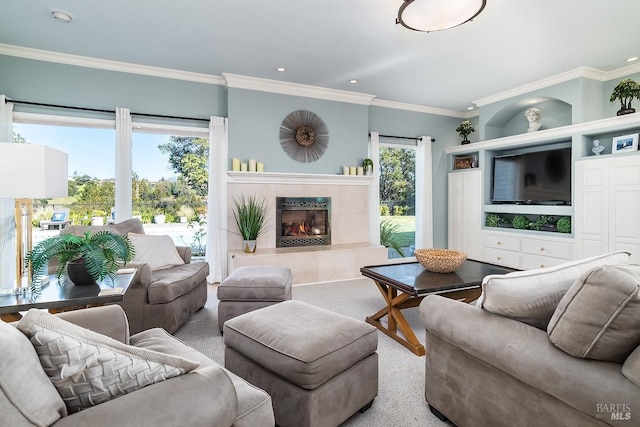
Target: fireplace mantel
298, 178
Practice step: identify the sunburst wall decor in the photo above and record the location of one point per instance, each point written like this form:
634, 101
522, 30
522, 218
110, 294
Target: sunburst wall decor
304, 136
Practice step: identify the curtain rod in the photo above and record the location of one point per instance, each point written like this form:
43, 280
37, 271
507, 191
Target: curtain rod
402, 137
97, 110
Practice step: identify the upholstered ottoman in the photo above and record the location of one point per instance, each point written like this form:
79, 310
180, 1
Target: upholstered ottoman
250, 288
319, 367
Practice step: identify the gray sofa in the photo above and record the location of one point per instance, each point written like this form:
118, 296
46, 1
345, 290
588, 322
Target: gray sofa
208, 396
489, 369
161, 298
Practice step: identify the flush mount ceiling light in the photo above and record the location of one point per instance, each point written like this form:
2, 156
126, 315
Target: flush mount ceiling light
59, 15
437, 15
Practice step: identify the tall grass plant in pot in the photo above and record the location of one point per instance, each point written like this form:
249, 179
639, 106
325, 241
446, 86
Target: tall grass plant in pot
250, 213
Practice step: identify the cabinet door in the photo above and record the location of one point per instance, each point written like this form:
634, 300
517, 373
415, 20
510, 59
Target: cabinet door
624, 205
591, 210
465, 212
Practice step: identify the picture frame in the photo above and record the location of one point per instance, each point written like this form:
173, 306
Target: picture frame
624, 144
462, 162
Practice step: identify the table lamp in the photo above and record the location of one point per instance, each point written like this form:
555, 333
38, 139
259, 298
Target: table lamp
27, 171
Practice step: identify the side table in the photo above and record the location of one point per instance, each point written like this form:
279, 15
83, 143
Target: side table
63, 295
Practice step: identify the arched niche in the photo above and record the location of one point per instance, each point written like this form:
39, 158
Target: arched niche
510, 120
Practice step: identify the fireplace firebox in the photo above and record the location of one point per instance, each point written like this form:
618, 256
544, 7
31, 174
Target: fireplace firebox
303, 221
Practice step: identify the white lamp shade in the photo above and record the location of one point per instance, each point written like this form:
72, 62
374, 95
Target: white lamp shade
30, 171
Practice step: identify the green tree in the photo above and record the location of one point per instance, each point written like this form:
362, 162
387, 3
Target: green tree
189, 156
397, 175
18, 138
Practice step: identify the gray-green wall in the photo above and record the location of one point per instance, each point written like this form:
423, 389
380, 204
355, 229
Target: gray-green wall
255, 117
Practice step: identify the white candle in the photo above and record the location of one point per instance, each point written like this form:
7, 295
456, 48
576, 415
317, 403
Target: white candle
243, 167
252, 165
235, 164
360, 170
352, 170
260, 167
345, 170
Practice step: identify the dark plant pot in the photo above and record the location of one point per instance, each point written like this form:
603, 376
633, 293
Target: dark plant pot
465, 142
623, 111
78, 274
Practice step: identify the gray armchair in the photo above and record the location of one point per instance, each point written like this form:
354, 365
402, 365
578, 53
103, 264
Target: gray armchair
208, 396
163, 298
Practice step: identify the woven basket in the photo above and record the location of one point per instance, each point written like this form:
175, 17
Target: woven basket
440, 260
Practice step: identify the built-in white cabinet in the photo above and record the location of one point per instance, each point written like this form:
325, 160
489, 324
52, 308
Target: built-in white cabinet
465, 212
525, 252
607, 203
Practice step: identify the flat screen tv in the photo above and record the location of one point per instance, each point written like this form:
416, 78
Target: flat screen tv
536, 178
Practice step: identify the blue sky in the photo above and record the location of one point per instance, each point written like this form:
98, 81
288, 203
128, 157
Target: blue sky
92, 151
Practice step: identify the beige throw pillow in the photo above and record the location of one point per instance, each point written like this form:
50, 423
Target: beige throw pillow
631, 367
157, 251
599, 317
88, 368
24, 384
531, 296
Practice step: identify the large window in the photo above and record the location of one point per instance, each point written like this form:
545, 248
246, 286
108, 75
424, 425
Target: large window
169, 186
91, 171
397, 199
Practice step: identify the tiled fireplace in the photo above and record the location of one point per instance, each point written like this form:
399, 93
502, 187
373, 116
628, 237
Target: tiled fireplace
303, 221
323, 232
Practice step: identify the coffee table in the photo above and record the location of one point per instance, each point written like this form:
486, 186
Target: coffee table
404, 285
63, 296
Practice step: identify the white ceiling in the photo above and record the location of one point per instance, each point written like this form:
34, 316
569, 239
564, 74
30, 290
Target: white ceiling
327, 42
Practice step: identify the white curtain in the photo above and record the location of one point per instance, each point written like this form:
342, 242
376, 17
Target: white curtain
374, 190
7, 209
216, 252
424, 190
124, 195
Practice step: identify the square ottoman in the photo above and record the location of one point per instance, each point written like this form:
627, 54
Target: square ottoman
250, 288
319, 367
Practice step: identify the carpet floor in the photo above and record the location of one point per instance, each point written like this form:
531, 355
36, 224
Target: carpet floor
400, 401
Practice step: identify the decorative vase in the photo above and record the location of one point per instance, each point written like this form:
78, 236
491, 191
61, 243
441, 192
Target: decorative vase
159, 218
78, 274
465, 141
249, 246
623, 111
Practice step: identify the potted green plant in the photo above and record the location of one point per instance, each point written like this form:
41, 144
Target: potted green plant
390, 236
494, 220
465, 129
250, 213
625, 92
564, 224
99, 255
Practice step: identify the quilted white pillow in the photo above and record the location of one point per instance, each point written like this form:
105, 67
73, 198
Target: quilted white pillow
157, 251
88, 368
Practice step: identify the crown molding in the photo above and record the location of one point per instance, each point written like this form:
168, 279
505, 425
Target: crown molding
417, 108
624, 71
104, 64
287, 88
587, 72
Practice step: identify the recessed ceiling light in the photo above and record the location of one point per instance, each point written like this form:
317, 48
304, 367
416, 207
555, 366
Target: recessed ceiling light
281, 69
469, 108
533, 101
59, 15
353, 81
633, 58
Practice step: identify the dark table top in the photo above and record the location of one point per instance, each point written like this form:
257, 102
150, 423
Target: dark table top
65, 294
412, 278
